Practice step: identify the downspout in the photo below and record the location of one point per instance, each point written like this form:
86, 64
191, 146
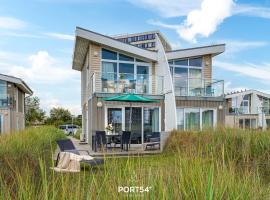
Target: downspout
163, 69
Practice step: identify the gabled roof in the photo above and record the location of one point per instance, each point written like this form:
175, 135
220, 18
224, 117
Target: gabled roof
197, 51
246, 92
18, 82
84, 37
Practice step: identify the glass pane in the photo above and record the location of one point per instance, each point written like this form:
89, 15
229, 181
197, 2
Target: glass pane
142, 83
181, 62
208, 119
142, 70
241, 123
110, 55
126, 76
180, 81
253, 124
195, 82
126, 68
109, 77
150, 121
196, 62
125, 58
133, 123
192, 117
247, 123
115, 118
180, 118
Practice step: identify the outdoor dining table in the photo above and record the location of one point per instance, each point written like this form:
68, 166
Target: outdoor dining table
110, 136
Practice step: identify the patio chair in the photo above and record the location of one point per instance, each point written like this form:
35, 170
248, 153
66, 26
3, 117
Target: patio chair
153, 140
125, 140
101, 140
66, 145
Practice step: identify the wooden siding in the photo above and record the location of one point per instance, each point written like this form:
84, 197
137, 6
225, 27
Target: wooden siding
95, 63
205, 104
12, 120
207, 67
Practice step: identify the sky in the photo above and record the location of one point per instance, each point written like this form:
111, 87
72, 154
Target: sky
37, 39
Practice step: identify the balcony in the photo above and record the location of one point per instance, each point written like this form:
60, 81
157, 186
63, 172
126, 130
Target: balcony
126, 83
198, 87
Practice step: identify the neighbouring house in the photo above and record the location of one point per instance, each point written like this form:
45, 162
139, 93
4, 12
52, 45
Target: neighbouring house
12, 99
248, 109
188, 98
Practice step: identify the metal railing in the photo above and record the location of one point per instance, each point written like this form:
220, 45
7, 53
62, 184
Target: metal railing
108, 82
198, 87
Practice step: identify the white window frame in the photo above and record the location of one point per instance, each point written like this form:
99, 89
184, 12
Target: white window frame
201, 111
173, 65
135, 63
122, 107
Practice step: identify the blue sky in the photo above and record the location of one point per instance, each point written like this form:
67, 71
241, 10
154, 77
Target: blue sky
36, 38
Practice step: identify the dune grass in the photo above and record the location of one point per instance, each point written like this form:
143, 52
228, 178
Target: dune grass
220, 164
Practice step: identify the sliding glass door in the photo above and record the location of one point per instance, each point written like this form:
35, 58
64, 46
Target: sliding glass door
150, 121
139, 120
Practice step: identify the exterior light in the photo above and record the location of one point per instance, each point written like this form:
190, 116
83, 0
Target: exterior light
220, 107
99, 104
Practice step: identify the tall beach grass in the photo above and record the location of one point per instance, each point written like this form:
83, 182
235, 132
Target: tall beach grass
213, 164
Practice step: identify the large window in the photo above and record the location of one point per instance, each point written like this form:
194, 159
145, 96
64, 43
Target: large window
122, 73
195, 118
187, 76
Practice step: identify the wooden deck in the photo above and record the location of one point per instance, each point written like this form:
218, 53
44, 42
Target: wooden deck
134, 150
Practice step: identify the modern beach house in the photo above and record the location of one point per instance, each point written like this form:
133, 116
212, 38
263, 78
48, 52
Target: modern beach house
12, 99
249, 109
187, 97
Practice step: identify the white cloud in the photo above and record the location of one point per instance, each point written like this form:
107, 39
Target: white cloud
203, 21
229, 88
48, 104
259, 71
11, 23
235, 46
43, 69
60, 36
169, 8
50, 78
254, 11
